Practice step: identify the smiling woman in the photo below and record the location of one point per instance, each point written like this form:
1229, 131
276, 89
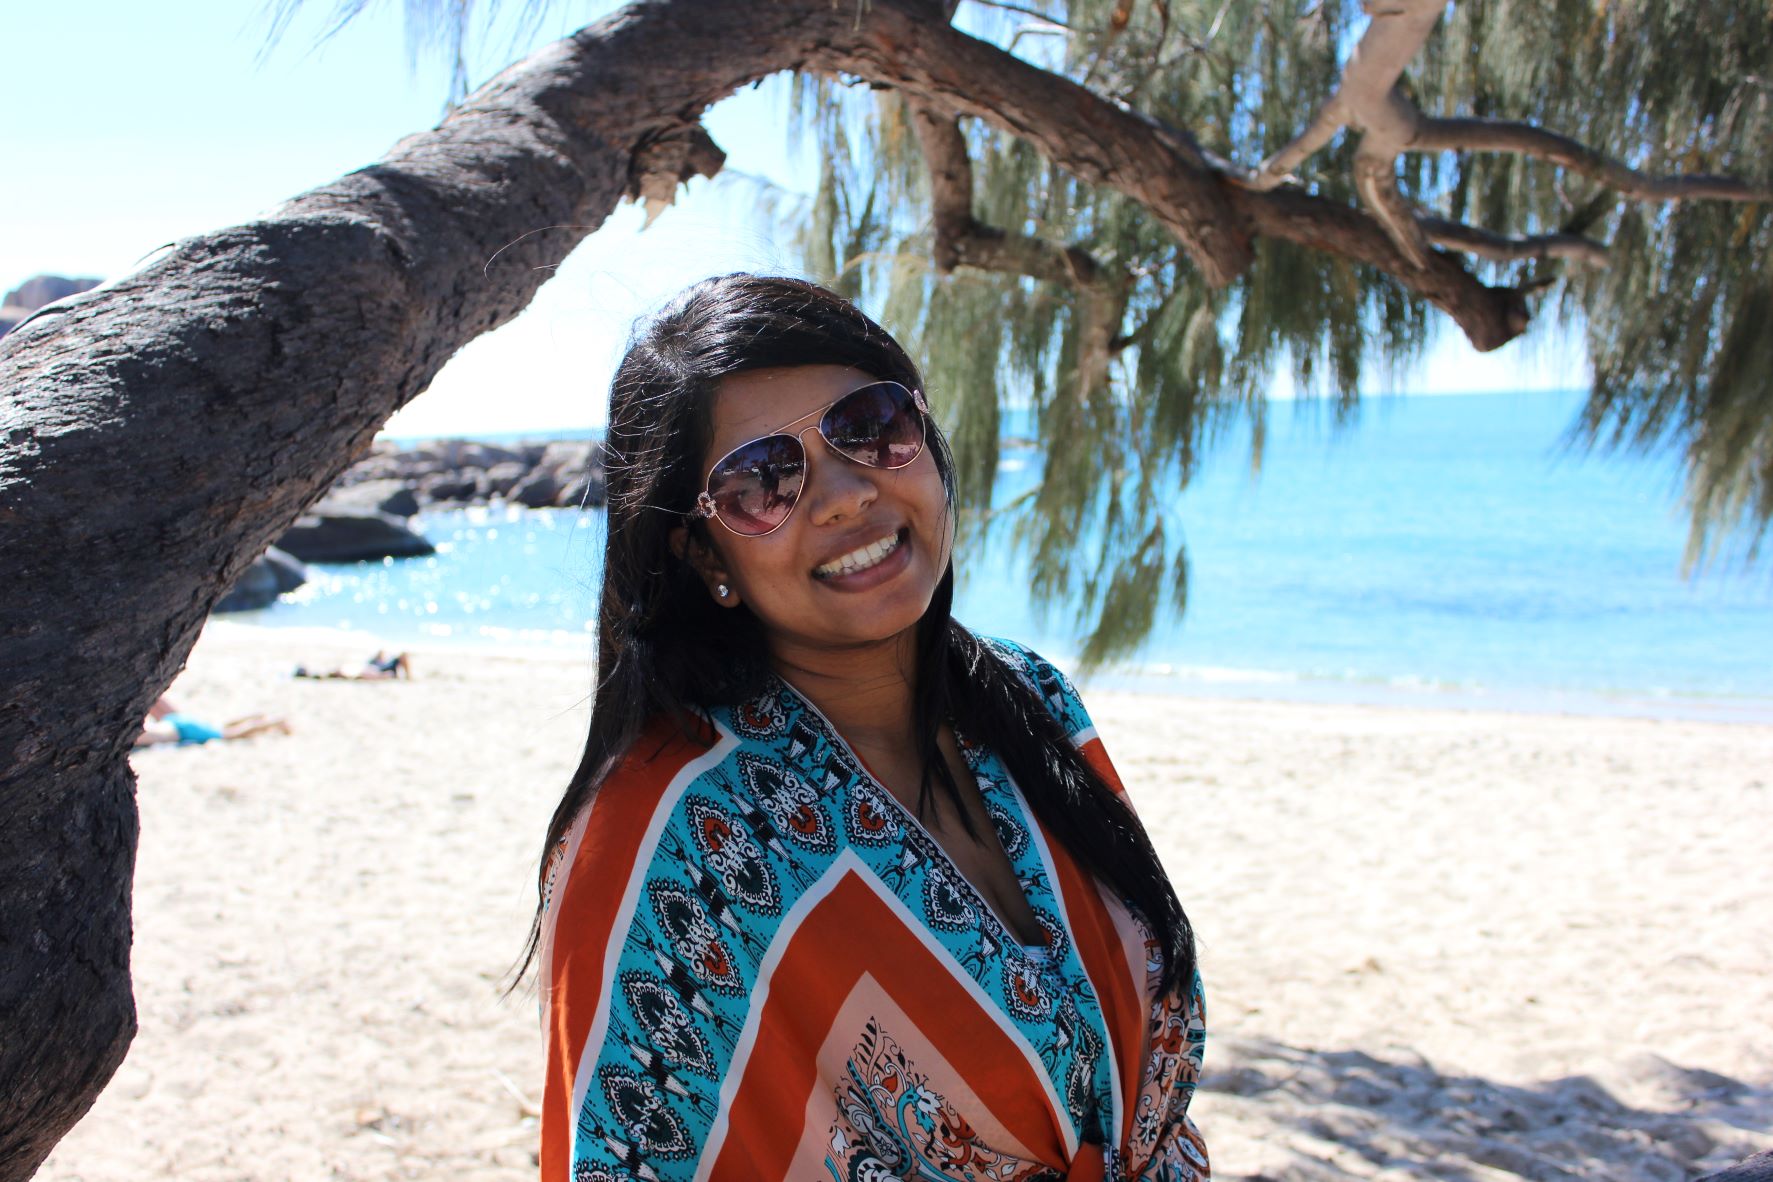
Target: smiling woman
839, 888
829, 546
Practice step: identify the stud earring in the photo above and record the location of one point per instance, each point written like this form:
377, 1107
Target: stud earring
722, 590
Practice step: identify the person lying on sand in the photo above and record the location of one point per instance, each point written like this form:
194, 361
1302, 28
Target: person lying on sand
380, 667
165, 724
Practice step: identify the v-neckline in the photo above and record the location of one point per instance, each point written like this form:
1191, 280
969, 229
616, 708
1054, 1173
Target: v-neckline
1008, 930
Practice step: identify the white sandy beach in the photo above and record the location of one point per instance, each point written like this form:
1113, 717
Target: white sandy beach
1437, 944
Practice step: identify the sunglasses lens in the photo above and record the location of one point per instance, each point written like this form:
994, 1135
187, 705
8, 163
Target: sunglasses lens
754, 488
877, 425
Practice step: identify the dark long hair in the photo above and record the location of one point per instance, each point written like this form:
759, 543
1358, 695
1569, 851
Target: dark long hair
665, 648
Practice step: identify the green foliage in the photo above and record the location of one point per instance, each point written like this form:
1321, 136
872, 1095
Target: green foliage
1186, 362
1678, 327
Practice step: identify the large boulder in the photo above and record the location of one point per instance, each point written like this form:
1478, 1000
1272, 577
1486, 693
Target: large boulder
35, 293
353, 537
39, 290
376, 496
465, 486
381, 461
466, 453
570, 458
585, 491
390, 479
285, 567
577, 468
538, 490
503, 477
270, 575
255, 588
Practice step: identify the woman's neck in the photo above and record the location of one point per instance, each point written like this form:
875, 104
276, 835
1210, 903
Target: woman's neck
866, 692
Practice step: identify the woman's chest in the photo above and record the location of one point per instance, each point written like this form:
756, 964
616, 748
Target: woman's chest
852, 891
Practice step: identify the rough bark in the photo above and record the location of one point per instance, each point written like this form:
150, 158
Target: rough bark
1758, 1168
160, 431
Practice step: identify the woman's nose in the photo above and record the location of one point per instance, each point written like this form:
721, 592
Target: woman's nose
835, 487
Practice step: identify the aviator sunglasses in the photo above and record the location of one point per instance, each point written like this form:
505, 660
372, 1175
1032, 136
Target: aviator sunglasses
754, 487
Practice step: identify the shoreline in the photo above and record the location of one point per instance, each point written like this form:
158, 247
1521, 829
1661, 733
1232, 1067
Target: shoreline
1211, 684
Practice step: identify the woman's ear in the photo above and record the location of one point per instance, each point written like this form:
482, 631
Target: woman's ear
707, 565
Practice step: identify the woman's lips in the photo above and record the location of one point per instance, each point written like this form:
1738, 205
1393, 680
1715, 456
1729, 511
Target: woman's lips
860, 558
872, 576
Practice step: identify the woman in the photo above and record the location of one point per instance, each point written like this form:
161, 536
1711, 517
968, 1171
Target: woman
839, 889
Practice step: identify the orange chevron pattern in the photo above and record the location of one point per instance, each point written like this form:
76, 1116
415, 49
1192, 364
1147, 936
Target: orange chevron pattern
849, 935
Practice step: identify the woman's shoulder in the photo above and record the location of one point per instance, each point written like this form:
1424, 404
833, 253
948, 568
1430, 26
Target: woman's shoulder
620, 828
630, 791
1047, 680
664, 746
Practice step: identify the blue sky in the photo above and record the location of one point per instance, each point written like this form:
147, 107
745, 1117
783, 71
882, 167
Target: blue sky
129, 126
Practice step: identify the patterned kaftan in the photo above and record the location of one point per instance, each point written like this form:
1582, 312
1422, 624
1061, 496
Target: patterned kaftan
757, 964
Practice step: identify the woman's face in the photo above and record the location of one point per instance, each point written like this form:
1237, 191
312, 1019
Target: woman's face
791, 578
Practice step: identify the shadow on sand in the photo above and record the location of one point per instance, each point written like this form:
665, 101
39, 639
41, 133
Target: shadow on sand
1307, 1115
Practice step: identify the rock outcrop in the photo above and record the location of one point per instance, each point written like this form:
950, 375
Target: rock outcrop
363, 517
353, 536
34, 293
375, 496
271, 574
453, 472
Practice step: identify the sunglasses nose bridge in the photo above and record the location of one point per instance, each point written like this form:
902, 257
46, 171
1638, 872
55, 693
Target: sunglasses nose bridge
817, 427
834, 480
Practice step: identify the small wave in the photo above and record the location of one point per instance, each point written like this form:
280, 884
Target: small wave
1217, 674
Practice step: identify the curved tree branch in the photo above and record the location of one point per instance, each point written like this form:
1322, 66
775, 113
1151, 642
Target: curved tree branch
947, 72
1375, 179
1525, 139
1501, 248
1362, 98
1490, 317
1331, 118
1097, 141
961, 240
1367, 100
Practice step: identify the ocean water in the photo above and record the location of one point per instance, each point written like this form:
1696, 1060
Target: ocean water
1441, 550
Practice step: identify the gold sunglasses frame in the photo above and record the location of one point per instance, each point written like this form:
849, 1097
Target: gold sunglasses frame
705, 507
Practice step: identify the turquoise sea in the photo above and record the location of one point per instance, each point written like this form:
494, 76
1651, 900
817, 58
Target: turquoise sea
1441, 550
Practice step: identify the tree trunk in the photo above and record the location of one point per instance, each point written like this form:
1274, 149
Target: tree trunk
160, 431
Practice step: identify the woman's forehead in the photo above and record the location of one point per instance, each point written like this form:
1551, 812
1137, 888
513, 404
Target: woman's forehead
759, 401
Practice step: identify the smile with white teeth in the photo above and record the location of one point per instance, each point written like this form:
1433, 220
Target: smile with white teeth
859, 559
